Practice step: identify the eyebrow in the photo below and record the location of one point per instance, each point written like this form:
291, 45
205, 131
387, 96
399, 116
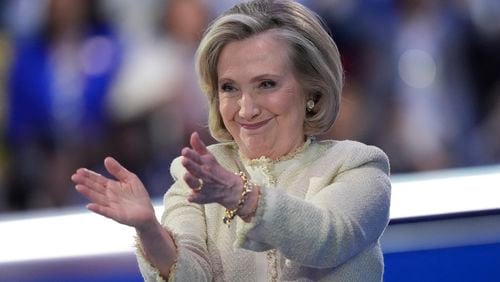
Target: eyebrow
265, 75
253, 79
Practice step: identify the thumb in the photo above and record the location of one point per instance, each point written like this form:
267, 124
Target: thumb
197, 144
117, 170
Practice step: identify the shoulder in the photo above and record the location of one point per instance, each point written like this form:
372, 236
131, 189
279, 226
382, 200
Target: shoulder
348, 154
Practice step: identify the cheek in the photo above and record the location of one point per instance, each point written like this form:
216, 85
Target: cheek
226, 110
292, 107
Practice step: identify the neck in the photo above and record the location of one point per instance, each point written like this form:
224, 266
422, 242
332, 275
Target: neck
275, 155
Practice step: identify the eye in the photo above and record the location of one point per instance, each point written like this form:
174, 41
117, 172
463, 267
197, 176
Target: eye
266, 84
227, 87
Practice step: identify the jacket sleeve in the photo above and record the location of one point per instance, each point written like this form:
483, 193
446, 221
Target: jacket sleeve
345, 211
185, 221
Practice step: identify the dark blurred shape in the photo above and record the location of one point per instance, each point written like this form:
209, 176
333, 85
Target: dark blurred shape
483, 61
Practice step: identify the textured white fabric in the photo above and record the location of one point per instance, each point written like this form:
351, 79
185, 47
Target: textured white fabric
323, 210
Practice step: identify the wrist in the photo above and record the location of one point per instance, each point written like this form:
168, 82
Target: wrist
236, 192
158, 247
247, 187
151, 226
251, 204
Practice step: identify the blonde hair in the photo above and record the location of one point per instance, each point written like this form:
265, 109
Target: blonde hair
312, 53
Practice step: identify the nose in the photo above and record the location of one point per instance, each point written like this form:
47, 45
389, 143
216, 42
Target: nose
248, 106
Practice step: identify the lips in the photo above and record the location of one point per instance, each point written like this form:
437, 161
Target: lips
256, 125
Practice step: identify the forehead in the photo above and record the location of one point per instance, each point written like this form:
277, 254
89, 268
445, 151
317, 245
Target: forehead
262, 52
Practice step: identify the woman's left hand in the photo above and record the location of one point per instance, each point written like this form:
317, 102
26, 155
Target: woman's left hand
209, 181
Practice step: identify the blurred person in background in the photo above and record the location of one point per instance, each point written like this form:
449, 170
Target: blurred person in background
58, 80
408, 88
155, 85
363, 31
432, 111
269, 202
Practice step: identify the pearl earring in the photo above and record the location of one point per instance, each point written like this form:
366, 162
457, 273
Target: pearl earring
310, 105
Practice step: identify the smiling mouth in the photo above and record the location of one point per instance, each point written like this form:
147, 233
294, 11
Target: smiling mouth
253, 126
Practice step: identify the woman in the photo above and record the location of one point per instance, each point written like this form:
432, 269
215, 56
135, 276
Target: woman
269, 202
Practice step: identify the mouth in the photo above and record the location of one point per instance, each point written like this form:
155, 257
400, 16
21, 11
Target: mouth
256, 125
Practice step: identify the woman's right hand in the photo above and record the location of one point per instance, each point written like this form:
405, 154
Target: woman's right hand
124, 200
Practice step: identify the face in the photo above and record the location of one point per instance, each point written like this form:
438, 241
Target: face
260, 100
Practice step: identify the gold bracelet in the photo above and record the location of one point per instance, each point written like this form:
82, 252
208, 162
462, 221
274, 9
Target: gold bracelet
254, 210
247, 188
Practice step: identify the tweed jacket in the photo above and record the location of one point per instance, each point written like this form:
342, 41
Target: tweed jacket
321, 213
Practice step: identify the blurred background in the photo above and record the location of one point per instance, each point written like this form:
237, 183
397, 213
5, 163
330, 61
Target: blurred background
84, 79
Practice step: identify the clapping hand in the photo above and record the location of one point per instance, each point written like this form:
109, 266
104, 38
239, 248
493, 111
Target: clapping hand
124, 200
209, 181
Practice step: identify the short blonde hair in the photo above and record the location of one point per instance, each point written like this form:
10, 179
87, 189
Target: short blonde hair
312, 53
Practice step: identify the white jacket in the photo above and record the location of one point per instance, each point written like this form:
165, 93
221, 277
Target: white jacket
322, 209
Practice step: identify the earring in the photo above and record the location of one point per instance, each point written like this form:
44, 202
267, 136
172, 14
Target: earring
310, 105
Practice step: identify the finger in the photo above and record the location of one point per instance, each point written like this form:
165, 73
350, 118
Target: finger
94, 176
80, 177
77, 178
192, 181
199, 198
192, 167
92, 195
191, 154
117, 170
197, 144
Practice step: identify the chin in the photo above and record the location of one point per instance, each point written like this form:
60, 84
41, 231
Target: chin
255, 149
